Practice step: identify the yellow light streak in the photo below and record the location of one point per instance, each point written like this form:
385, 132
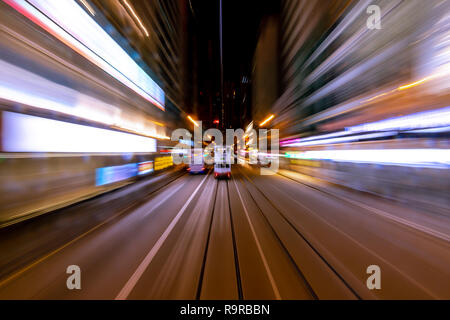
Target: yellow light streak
193, 121
267, 120
415, 84
136, 17
88, 7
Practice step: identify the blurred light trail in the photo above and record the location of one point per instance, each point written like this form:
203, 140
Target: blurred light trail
320, 137
68, 22
343, 139
141, 133
193, 121
145, 168
433, 130
433, 158
24, 133
19, 85
415, 84
421, 120
136, 17
267, 120
431, 120
88, 7
249, 127
443, 73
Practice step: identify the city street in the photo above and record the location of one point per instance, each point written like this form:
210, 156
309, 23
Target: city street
252, 237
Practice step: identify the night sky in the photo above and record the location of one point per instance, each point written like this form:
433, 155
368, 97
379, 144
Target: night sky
241, 21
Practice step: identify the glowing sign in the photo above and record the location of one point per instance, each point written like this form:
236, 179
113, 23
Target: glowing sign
145, 168
24, 133
108, 175
162, 163
434, 119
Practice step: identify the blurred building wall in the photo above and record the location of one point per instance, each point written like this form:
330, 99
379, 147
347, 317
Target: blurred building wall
335, 72
332, 64
265, 78
425, 187
32, 186
51, 80
165, 50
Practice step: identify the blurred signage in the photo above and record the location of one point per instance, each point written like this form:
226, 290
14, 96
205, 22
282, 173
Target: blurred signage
145, 168
25, 133
108, 175
306, 163
162, 163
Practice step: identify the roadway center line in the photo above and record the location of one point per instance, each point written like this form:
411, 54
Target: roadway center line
258, 245
131, 283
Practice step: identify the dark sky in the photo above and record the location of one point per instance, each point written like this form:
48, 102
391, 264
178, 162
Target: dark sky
241, 24
241, 20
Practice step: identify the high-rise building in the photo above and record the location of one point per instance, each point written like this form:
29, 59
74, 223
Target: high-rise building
337, 71
157, 30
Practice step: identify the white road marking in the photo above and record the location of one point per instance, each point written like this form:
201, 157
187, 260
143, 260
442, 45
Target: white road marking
258, 245
131, 283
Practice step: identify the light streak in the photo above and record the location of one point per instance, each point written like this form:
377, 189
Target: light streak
434, 158
193, 121
88, 7
136, 17
267, 120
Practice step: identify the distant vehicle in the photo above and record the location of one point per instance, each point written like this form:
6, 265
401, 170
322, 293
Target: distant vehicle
222, 162
197, 163
264, 160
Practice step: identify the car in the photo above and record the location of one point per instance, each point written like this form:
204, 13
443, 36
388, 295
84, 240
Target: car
197, 163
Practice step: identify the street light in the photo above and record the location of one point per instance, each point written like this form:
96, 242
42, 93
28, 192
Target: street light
267, 121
